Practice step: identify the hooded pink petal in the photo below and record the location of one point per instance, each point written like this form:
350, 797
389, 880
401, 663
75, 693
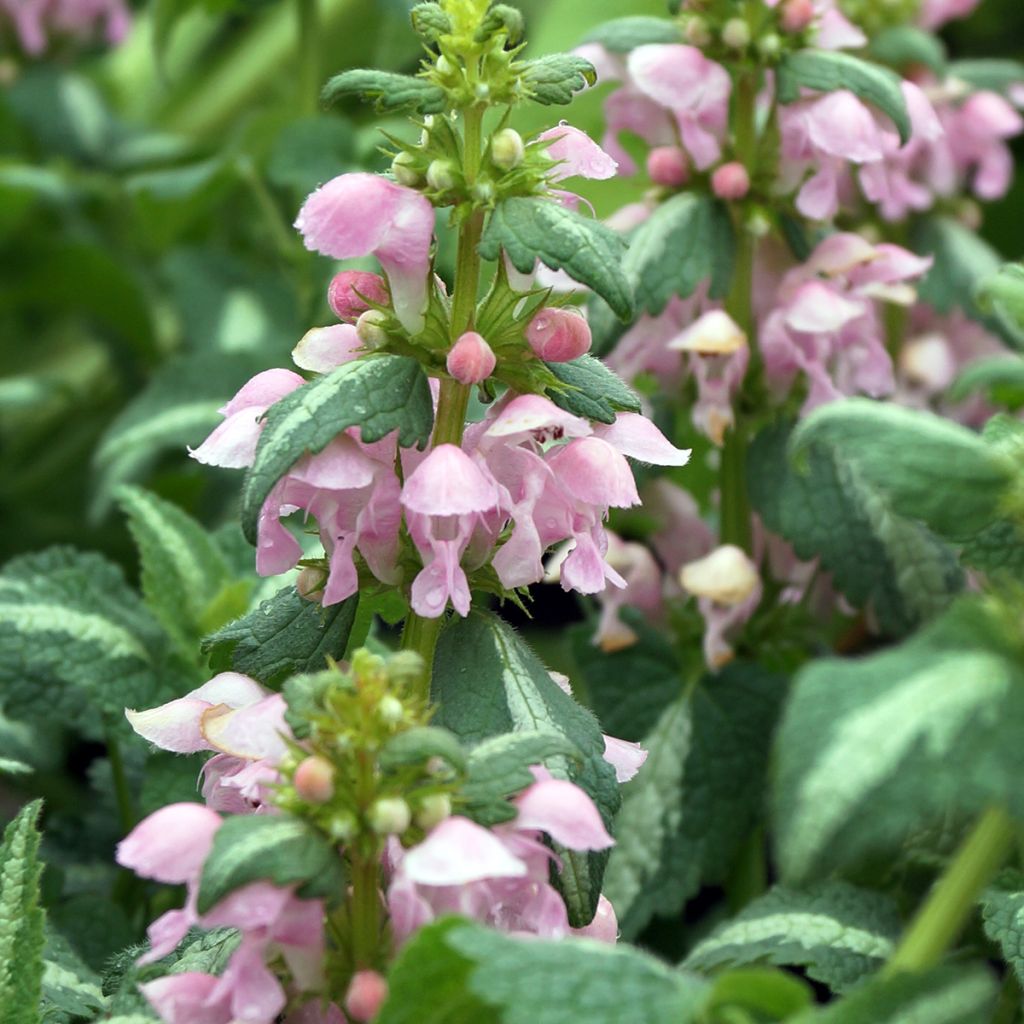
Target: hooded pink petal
457, 852
362, 214
325, 348
625, 757
565, 812
448, 483
187, 998
636, 436
577, 154
592, 471
171, 844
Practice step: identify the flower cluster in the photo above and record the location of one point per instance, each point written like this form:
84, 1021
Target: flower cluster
38, 24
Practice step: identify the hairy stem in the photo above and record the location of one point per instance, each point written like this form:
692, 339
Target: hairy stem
951, 902
365, 868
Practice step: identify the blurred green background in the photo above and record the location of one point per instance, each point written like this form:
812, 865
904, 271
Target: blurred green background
147, 263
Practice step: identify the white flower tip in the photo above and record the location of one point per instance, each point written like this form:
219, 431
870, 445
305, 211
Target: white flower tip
726, 576
714, 334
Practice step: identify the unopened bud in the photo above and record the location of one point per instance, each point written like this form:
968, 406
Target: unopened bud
444, 66
507, 149
668, 166
736, 34
314, 780
433, 810
346, 292
441, 175
770, 45
483, 192
342, 827
405, 669
390, 710
389, 816
481, 91
797, 15
557, 335
697, 32
713, 334
730, 181
370, 328
310, 584
366, 994
928, 362
404, 169
471, 359
727, 576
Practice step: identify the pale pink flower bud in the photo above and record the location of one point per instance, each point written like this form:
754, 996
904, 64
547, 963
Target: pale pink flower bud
668, 166
797, 15
507, 149
557, 335
736, 34
390, 815
730, 181
366, 994
471, 359
310, 584
370, 329
314, 780
349, 290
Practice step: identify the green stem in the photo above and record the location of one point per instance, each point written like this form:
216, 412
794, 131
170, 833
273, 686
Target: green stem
122, 793
952, 900
365, 878
1009, 1000
748, 878
308, 29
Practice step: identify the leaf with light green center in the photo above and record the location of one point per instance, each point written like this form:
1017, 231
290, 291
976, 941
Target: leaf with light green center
21, 919
379, 394
1002, 913
871, 749
554, 79
830, 70
592, 390
69, 984
531, 228
486, 683
279, 849
839, 932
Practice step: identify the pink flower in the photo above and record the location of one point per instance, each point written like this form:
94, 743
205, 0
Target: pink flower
668, 166
558, 335
362, 214
576, 154
935, 13
730, 181
323, 349
83, 20
348, 292
471, 360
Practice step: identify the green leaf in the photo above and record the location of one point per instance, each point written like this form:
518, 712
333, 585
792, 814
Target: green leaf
76, 643
280, 849
1003, 295
927, 467
902, 46
500, 767
701, 791
378, 394
414, 746
430, 22
1002, 913
687, 240
182, 569
999, 378
284, 635
10, 766
69, 984
620, 35
872, 749
997, 74
487, 682
21, 919
963, 262
390, 90
841, 934
476, 974
829, 70
760, 992
556, 77
827, 509
531, 228
592, 390
946, 995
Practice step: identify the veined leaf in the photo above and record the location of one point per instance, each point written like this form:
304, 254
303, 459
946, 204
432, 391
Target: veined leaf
997, 74
902, 46
593, 391
531, 228
378, 394
1003, 294
279, 849
182, 567
872, 749
390, 90
475, 974
69, 984
620, 35
1002, 911
556, 77
827, 509
839, 932
487, 682
283, 636
830, 70
21, 919
999, 378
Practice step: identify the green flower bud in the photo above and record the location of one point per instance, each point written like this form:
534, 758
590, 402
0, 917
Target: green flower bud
697, 32
402, 167
483, 192
390, 710
405, 669
736, 34
507, 149
770, 45
441, 175
370, 329
389, 816
342, 827
433, 810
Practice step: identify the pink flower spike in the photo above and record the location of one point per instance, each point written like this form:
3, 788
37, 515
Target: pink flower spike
186, 999
558, 335
577, 154
361, 214
625, 757
457, 852
171, 844
636, 436
471, 359
325, 348
448, 483
348, 291
730, 181
366, 994
565, 812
